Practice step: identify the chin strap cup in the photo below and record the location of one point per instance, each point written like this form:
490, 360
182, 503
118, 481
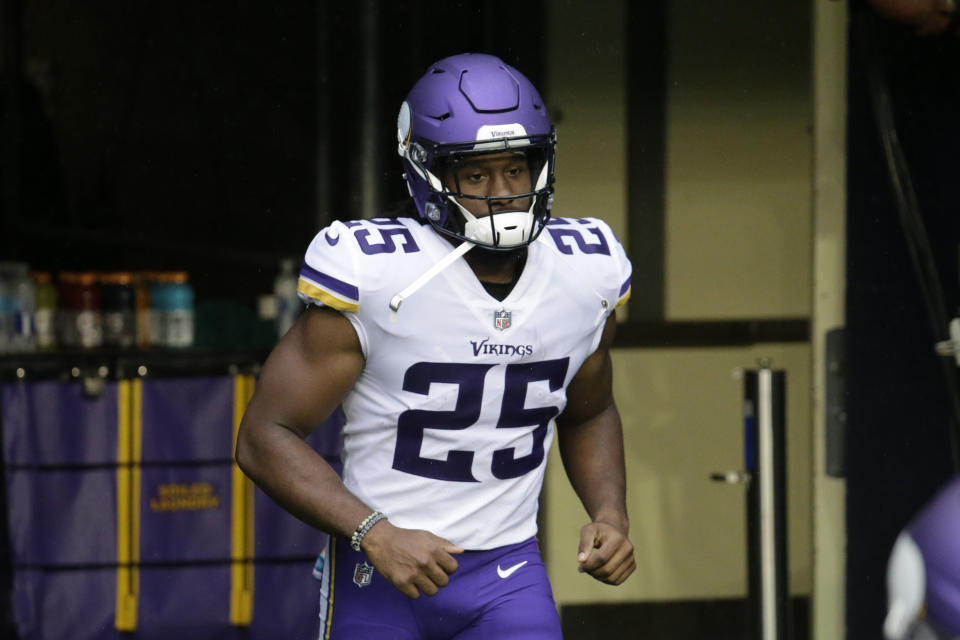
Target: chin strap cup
504, 230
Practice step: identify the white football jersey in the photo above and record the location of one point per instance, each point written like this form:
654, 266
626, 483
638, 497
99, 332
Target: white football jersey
448, 426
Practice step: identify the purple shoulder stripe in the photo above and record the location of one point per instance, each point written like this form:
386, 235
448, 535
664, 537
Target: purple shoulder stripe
339, 286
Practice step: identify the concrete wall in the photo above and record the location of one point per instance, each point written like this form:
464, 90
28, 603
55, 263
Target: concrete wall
738, 245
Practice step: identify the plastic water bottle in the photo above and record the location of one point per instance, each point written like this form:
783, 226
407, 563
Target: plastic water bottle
180, 313
17, 304
141, 285
80, 319
156, 315
171, 310
285, 293
6, 311
119, 305
45, 310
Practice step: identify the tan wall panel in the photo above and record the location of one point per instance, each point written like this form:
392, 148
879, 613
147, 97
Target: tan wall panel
738, 161
683, 419
587, 101
738, 245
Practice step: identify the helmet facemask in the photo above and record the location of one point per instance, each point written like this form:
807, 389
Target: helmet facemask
437, 190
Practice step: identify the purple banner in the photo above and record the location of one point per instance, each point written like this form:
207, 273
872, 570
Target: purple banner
66, 604
187, 419
55, 423
184, 603
61, 477
280, 535
62, 517
285, 603
185, 514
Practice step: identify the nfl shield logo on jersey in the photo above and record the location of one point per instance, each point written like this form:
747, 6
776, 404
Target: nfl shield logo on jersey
363, 574
501, 319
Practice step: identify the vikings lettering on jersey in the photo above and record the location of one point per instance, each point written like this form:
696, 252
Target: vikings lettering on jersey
451, 419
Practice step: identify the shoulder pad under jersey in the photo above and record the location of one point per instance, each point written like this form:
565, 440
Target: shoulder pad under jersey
343, 253
598, 254
328, 275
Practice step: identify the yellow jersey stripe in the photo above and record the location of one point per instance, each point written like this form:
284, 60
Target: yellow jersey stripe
313, 291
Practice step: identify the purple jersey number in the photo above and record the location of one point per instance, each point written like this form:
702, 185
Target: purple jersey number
513, 415
388, 230
559, 233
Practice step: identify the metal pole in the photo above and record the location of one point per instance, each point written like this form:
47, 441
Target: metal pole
764, 417
371, 143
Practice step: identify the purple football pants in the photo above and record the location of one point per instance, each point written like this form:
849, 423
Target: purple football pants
500, 593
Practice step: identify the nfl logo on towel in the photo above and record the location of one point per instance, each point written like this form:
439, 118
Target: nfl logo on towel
363, 574
501, 319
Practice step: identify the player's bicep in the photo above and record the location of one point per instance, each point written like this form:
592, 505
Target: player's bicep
590, 392
308, 373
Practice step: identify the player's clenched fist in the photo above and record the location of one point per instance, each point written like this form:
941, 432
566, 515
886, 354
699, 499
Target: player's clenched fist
412, 560
611, 560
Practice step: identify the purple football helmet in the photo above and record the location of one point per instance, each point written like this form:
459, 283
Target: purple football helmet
923, 574
466, 105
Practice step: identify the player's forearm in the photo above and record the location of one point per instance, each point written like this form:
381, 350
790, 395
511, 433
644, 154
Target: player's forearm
592, 454
291, 472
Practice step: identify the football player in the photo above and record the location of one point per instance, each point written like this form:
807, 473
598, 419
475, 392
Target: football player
457, 344
923, 574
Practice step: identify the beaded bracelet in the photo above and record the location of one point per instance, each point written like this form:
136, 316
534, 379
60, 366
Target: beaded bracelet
364, 527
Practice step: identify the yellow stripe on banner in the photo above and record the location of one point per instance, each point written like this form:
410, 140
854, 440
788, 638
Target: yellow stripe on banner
241, 519
136, 458
129, 443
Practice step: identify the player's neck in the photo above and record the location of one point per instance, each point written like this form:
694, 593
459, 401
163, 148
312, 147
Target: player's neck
496, 266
